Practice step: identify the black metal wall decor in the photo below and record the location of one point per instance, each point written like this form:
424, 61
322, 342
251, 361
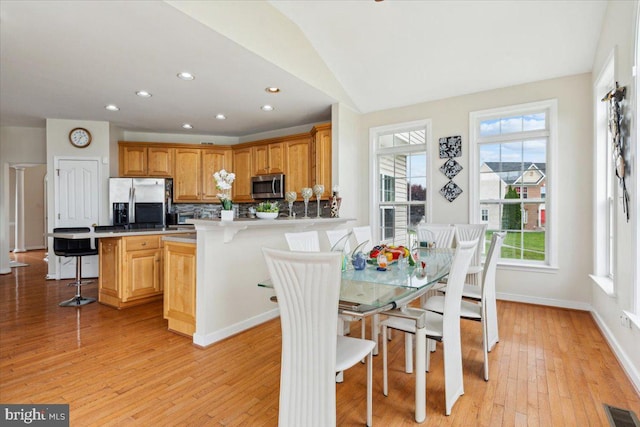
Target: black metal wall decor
614, 98
450, 191
450, 168
450, 146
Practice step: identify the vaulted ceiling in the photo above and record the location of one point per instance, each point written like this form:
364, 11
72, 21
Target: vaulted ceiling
69, 59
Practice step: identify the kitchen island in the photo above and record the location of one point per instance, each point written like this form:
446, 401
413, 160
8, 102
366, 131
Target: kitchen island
230, 264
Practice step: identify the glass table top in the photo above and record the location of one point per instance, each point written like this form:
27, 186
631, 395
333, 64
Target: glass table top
368, 290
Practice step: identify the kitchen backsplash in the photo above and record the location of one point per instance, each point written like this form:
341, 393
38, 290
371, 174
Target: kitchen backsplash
212, 210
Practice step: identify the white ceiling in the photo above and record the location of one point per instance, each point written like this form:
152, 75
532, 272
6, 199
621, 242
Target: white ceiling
68, 59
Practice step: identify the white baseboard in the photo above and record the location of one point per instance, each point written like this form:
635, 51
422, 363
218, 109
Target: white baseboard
575, 305
208, 339
629, 369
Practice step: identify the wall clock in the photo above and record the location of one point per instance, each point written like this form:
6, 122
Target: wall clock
80, 137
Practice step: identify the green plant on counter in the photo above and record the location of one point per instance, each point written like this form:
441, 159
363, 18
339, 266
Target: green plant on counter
268, 207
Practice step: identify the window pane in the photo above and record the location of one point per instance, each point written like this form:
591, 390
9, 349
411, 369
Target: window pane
534, 122
416, 214
399, 139
535, 151
490, 127
511, 124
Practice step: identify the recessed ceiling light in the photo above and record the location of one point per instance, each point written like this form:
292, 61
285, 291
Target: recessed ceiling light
187, 126
220, 116
112, 107
143, 94
273, 89
186, 76
267, 108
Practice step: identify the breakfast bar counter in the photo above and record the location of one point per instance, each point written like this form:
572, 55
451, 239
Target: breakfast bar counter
230, 264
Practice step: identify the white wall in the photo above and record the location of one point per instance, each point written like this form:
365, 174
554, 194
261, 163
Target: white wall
58, 146
178, 138
17, 145
619, 33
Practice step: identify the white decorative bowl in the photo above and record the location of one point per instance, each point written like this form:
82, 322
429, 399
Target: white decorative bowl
267, 215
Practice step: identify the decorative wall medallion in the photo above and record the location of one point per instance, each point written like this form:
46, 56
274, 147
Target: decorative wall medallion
450, 146
450, 191
450, 168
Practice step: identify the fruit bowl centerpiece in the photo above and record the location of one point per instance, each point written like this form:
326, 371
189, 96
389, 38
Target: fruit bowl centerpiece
267, 210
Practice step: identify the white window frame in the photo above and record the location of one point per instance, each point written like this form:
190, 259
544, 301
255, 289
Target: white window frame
374, 178
604, 208
551, 233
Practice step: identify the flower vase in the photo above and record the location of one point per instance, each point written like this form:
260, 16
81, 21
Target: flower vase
335, 206
226, 215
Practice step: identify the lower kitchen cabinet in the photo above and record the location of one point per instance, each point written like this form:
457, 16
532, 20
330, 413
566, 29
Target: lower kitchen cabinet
180, 286
130, 270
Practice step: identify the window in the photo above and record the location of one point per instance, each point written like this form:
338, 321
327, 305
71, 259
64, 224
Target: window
400, 170
512, 149
604, 206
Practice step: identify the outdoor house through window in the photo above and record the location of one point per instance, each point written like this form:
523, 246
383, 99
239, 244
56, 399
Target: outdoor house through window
510, 159
400, 156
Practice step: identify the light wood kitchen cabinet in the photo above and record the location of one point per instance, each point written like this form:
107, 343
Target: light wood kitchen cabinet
142, 160
130, 271
268, 158
242, 167
297, 165
187, 179
213, 160
180, 286
132, 161
194, 167
321, 158
160, 161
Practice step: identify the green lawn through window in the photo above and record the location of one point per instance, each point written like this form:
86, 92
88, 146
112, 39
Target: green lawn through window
529, 245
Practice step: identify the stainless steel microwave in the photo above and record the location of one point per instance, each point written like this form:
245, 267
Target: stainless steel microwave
267, 187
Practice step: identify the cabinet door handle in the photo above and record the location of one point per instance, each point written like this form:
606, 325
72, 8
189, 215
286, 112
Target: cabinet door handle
144, 243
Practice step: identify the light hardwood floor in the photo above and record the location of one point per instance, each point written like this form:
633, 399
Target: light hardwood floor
552, 367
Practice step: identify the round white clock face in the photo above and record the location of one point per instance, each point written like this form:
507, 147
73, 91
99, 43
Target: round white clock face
80, 137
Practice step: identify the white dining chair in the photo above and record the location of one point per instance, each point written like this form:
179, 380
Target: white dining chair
441, 327
307, 285
473, 232
484, 309
441, 234
363, 235
339, 240
305, 241
309, 241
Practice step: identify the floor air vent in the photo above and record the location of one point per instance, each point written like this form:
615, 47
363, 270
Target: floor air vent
621, 417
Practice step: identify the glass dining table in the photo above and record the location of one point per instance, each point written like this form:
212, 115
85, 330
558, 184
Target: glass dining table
368, 292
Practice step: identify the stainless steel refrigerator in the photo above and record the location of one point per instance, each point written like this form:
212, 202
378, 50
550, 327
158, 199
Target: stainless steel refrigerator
137, 200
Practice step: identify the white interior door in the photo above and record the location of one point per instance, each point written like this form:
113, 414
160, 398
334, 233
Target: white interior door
77, 204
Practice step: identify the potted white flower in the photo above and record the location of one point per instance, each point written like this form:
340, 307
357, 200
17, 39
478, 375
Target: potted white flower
267, 210
224, 180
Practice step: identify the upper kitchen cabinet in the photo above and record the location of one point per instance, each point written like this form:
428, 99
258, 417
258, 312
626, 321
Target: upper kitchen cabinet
213, 160
137, 160
193, 178
321, 157
160, 161
243, 168
268, 158
187, 180
297, 164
